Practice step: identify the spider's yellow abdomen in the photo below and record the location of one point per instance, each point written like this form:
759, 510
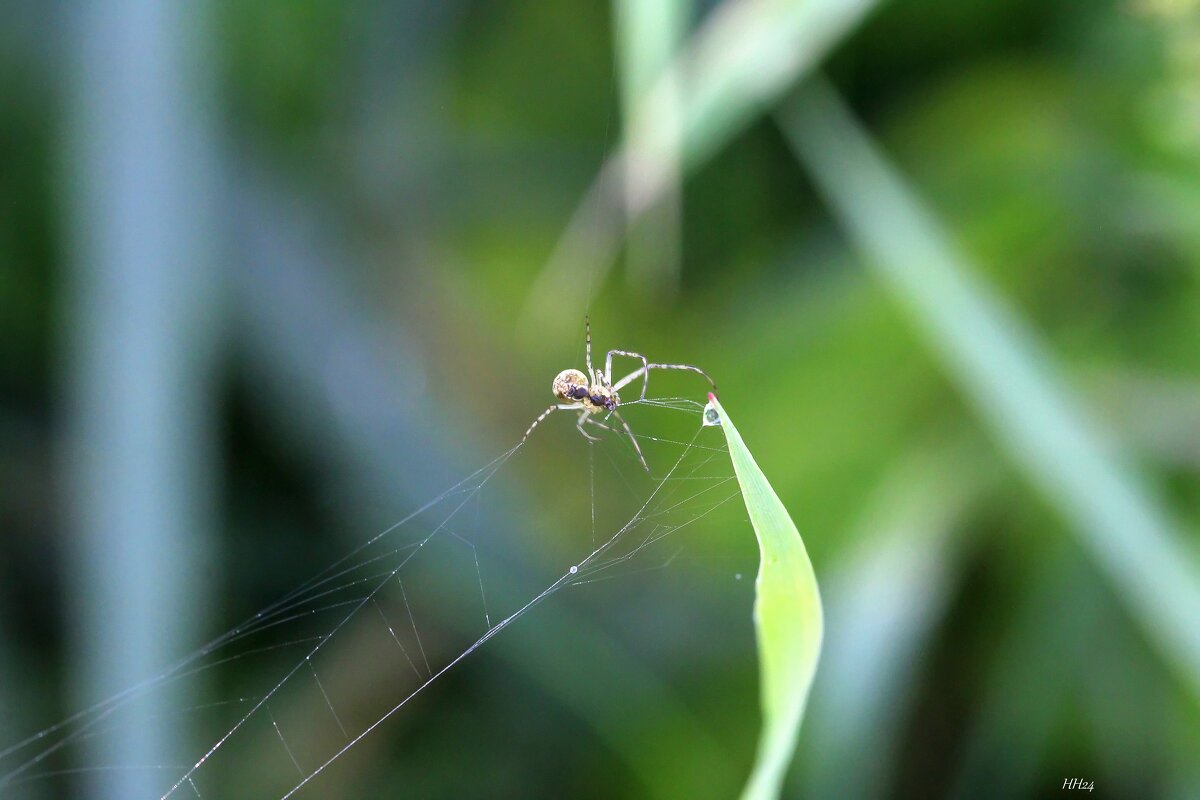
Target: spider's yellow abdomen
566, 384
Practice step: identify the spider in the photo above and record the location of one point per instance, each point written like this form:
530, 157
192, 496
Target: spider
594, 392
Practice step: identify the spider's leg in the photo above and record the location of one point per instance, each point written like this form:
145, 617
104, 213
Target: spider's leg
587, 338
546, 413
541, 417
630, 378
608, 370
582, 419
593, 421
687, 367
637, 448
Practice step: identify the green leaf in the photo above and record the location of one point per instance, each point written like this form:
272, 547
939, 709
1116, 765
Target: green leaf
787, 616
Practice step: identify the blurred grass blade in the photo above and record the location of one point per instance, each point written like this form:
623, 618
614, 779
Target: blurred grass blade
738, 65
648, 34
741, 61
787, 619
1001, 367
884, 599
1058, 624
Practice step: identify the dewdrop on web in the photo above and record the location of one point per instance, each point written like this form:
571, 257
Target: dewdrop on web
711, 415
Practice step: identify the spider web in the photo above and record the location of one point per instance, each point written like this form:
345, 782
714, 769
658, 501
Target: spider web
419, 598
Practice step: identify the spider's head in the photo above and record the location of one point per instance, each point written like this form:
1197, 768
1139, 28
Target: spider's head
570, 386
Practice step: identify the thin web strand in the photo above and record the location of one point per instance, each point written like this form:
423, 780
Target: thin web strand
322, 585
562, 580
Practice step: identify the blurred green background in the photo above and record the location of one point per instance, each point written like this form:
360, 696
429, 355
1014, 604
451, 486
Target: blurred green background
274, 274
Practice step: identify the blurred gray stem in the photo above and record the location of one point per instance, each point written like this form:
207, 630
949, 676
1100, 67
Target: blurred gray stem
139, 306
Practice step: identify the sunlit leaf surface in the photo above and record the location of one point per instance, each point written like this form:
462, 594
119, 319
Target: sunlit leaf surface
787, 618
